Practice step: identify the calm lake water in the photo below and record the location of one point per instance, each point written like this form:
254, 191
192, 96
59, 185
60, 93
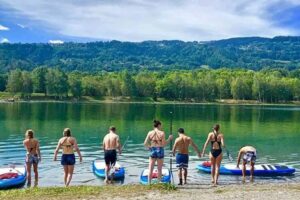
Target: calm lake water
274, 130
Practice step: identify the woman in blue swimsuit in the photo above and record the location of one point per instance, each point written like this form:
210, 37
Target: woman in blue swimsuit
217, 142
156, 142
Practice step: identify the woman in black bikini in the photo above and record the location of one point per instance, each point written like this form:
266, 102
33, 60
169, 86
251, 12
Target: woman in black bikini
217, 142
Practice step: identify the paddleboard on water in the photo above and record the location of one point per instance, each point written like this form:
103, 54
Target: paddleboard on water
99, 170
12, 177
259, 169
166, 176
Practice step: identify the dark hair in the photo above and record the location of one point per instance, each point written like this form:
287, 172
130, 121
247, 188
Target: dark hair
67, 132
216, 127
156, 123
112, 128
180, 130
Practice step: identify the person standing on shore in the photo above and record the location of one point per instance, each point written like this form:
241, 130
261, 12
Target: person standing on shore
33, 156
111, 143
155, 142
249, 156
68, 144
181, 145
217, 142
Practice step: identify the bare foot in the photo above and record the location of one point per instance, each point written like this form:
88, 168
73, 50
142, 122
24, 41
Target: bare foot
251, 179
244, 180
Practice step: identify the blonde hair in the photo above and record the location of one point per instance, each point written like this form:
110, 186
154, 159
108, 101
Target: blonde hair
29, 134
67, 132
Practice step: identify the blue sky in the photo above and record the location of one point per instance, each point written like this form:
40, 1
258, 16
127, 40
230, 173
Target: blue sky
59, 21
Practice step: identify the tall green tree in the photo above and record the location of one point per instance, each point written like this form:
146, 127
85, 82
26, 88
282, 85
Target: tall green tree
27, 86
15, 81
57, 83
39, 79
75, 85
3, 82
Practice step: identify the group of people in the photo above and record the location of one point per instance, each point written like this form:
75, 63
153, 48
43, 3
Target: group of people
155, 141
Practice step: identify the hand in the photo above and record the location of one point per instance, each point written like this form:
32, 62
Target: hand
80, 159
170, 137
238, 166
120, 152
55, 158
40, 159
199, 155
202, 154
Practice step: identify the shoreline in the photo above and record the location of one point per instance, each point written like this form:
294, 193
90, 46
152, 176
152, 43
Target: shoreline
88, 100
163, 192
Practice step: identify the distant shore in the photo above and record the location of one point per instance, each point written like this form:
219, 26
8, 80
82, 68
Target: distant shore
134, 192
8, 98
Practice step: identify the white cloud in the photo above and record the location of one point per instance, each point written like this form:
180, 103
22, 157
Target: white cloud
4, 40
55, 41
3, 28
137, 20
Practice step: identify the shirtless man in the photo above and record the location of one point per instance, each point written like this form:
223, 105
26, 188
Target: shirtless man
249, 155
33, 156
181, 145
111, 143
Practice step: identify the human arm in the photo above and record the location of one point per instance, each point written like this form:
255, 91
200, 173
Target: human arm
38, 151
205, 144
238, 159
119, 145
174, 147
195, 148
222, 141
146, 142
56, 150
77, 149
164, 141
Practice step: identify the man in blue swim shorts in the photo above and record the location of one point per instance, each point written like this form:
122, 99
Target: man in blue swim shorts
181, 146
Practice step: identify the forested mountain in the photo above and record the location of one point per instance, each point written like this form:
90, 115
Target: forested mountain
250, 53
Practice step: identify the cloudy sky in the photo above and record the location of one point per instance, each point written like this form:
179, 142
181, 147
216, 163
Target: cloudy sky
57, 21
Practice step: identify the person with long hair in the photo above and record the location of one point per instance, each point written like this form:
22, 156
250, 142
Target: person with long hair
68, 144
156, 142
33, 156
217, 142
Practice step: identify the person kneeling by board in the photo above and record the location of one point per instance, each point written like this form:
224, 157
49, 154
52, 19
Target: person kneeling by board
111, 143
249, 156
181, 145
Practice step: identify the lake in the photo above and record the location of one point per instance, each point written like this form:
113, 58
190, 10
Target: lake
273, 130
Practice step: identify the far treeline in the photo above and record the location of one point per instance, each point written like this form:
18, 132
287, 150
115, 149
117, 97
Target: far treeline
271, 85
251, 53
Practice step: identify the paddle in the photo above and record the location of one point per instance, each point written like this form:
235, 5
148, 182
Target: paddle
171, 145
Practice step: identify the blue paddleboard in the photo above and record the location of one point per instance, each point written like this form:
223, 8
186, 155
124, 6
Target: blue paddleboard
12, 177
166, 176
99, 170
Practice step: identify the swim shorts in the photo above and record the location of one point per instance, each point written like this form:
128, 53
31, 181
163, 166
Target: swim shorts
110, 157
182, 161
32, 159
68, 159
249, 156
157, 152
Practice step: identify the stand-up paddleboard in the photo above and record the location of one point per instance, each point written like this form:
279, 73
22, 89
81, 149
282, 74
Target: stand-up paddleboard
12, 177
166, 176
117, 170
259, 169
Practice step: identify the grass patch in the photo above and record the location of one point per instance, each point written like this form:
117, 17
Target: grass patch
79, 192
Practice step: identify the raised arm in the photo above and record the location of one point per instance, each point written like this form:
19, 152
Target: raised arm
164, 141
195, 147
77, 149
205, 144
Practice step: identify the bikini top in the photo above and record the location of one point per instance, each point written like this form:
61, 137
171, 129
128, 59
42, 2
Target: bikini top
31, 147
155, 139
67, 145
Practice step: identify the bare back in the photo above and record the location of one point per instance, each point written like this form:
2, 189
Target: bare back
111, 141
68, 144
156, 138
31, 145
216, 140
182, 144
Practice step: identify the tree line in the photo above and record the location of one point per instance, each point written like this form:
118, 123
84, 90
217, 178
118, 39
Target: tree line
273, 85
250, 53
